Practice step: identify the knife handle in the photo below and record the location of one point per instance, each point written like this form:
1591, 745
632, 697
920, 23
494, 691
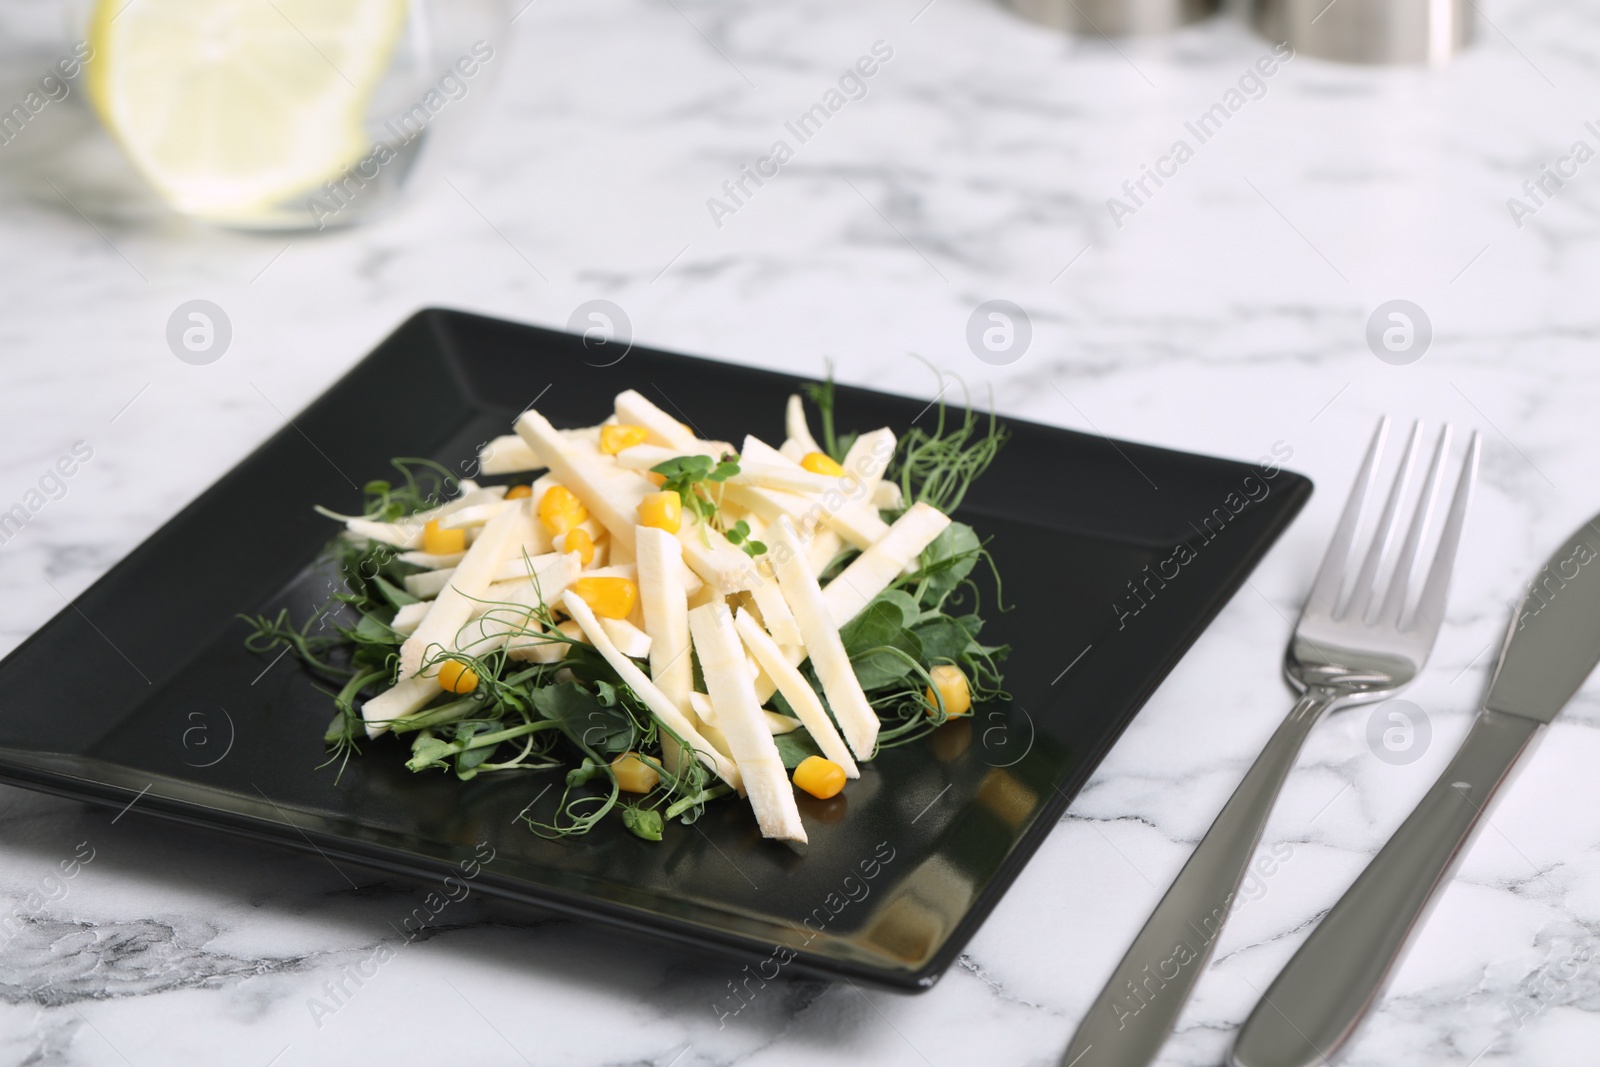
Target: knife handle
1129, 1021
1315, 1004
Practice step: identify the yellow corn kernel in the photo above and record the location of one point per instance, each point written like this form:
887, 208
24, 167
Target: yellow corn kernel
663, 510
822, 778
634, 775
560, 510
655, 478
441, 542
457, 677
953, 690
579, 541
821, 463
609, 598
519, 492
614, 439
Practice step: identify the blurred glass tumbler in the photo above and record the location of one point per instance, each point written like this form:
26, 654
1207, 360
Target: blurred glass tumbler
1421, 32
298, 114
1116, 17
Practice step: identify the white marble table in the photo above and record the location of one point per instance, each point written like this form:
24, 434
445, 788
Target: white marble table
1225, 314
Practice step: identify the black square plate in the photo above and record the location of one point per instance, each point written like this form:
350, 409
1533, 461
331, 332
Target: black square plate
1114, 556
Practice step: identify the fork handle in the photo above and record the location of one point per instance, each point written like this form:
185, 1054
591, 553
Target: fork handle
1131, 1018
1317, 1001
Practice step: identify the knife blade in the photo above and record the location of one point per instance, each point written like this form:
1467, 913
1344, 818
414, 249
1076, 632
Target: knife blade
1552, 645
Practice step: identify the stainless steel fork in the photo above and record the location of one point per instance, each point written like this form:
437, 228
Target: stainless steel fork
1348, 648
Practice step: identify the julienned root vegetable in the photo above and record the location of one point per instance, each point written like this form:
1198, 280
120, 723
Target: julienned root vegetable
659, 620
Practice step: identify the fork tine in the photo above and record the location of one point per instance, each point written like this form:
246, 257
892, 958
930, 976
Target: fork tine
1395, 601
1361, 594
1330, 576
1430, 609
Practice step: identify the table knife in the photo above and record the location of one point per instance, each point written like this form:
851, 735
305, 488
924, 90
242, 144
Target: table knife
1316, 1003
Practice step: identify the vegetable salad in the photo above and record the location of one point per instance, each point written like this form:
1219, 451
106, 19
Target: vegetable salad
665, 618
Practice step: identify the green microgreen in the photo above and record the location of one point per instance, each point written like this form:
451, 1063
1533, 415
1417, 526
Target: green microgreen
739, 534
697, 480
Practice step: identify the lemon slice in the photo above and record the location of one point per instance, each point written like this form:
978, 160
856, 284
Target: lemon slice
230, 107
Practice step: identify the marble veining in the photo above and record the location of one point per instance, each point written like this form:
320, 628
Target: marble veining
1227, 314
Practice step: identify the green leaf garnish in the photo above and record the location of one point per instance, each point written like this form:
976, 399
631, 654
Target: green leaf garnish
795, 746
692, 477
882, 648
739, 534
642, 822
